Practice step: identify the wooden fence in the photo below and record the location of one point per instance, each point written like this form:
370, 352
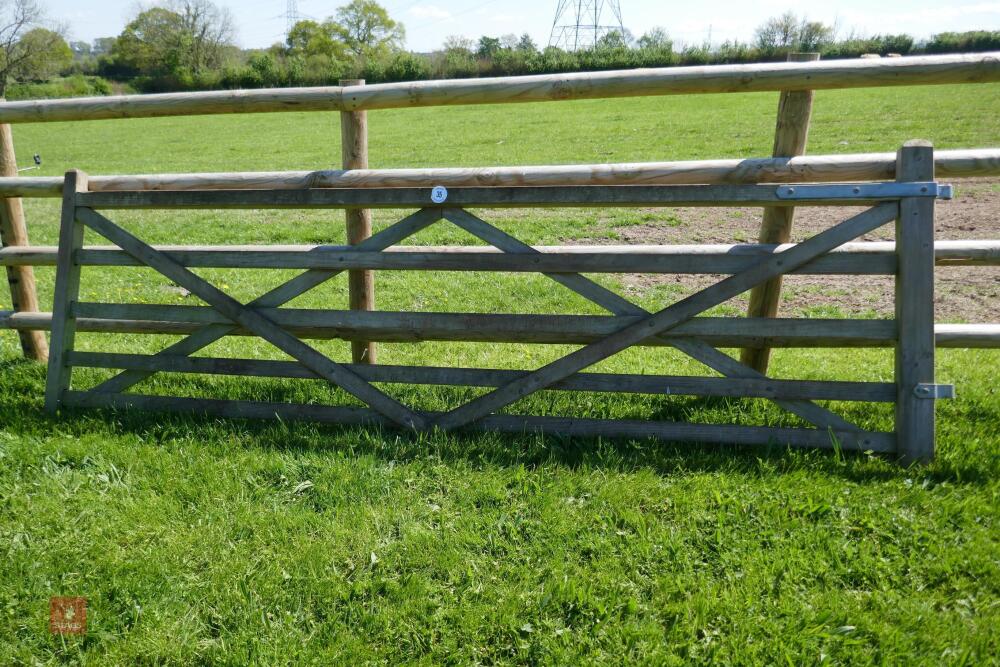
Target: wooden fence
353, 99
909, 201
357, 189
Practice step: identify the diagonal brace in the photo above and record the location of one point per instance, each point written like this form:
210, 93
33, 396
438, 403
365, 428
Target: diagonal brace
618, 305
670, 316
253, 321
277, 297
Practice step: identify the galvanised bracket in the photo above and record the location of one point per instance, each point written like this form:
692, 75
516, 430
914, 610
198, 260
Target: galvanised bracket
934, 391
865, 191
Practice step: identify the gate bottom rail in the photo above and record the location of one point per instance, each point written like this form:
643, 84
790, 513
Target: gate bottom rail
857, 441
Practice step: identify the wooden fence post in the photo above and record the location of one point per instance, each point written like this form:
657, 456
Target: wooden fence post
915, 307
361, 284
790, 137
14, 232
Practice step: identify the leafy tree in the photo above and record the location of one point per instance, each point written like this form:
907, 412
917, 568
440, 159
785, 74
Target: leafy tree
188, 36
615, 39
657, 39
309, 38
458, 43
459, 60
526, 44
973, 40
785, 33
779, 32
102, 45
813, 36
368, 30
488, 46
45, 52
401, 66
26, 49
151, 43
208, 30
265, 68
80, 49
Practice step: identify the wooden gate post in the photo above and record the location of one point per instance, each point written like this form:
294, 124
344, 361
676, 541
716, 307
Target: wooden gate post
361, 284
915, 308
14, 232
790, 137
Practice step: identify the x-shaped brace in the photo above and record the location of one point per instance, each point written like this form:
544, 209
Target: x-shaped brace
618, 305
277, 297
652, 325
249, 318
656, 323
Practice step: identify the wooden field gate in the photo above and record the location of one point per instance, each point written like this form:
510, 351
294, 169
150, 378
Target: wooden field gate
909, 201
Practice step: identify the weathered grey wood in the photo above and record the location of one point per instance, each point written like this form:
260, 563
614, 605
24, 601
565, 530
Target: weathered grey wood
281, 294
915, 308
515, 424
972, 336
700, 350
354, 153
919, 70
669, 317
252, 320
67, 290
863, 258
14, 234
616, 304
721, 362
882, 392
501, 197
386, 326
585, 287
805, 169
790, 138
708, 259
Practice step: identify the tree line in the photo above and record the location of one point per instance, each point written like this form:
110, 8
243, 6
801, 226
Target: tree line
190, 45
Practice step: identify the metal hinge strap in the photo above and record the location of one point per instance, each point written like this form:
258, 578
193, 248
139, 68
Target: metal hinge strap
865, 191
934, 391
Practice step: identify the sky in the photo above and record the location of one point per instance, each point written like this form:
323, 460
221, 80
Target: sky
260, 23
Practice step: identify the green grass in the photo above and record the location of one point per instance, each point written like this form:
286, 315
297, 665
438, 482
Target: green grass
199, 540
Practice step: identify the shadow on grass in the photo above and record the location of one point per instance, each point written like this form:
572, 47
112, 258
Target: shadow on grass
21, 411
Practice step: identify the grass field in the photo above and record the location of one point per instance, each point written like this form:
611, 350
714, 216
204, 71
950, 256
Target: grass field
198, 540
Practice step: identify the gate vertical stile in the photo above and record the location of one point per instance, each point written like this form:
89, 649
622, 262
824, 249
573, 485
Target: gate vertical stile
914, 359
67, 291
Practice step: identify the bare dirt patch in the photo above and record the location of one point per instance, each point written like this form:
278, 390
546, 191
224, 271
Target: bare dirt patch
963, 294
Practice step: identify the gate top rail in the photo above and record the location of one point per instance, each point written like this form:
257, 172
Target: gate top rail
818, 75
530, 196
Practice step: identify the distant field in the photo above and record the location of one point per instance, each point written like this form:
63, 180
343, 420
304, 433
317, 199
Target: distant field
200, 540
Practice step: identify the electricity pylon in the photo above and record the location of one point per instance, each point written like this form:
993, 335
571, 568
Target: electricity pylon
580, 24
